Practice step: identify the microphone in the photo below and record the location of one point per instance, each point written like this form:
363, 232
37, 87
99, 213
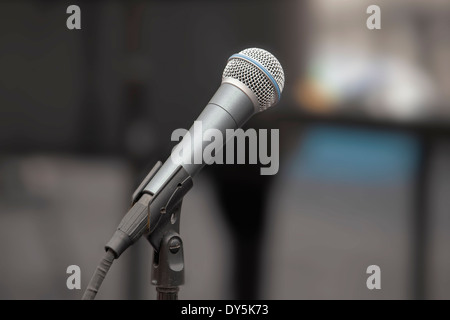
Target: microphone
252, 82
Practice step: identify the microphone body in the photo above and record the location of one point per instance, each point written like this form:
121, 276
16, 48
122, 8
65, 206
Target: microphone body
230, 107
252, 81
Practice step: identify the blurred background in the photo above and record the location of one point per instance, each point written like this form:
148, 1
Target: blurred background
364, 126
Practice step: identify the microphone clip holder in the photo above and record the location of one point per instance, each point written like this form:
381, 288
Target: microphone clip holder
164, 211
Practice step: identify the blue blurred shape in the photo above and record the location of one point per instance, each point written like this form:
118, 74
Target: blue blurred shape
354, 155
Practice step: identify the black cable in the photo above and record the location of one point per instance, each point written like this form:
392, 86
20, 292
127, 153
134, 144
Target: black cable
131, 228
99, 275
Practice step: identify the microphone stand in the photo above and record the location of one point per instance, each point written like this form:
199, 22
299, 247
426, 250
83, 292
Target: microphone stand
167, 272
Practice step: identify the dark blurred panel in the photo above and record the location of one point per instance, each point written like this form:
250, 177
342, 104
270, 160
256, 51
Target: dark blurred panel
42, 78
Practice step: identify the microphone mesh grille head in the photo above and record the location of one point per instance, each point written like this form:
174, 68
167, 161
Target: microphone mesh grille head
260, 71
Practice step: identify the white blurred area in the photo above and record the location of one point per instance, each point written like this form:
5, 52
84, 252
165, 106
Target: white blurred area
400, 72
326, 227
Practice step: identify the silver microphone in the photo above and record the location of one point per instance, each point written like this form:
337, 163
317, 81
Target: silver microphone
252, 81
